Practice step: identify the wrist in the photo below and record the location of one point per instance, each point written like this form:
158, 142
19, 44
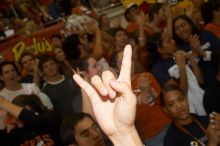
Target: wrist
127, 137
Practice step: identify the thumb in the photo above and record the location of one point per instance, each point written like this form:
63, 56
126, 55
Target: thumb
124, 90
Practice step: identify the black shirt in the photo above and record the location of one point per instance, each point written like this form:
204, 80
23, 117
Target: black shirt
175, 137
38, 130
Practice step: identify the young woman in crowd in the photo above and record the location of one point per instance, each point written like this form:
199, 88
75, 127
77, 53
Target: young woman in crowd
199, 43
188, 129
177, 66
64, 64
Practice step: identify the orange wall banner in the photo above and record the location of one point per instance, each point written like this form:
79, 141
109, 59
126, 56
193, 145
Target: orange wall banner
39, 41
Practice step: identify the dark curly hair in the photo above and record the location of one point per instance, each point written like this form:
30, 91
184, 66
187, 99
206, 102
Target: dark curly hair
4, 63
195, 29
70, 47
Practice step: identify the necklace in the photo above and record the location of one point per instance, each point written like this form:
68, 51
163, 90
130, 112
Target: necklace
184, 130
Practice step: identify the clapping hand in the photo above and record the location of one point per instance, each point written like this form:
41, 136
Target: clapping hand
213, 130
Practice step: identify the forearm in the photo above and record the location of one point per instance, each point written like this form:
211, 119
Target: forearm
169, 22
10, 108
183, 79
141, 36
129, 137
197, 71
97, 50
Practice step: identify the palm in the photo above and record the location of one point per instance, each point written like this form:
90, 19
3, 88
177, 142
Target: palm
113, 114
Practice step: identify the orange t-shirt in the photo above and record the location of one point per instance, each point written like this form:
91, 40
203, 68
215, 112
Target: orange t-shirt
213, 28
150, 119
132, 27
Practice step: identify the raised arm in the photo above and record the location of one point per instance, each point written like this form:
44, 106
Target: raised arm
141, 34
181, 62
93, 28
196, 69
36, 73
114, 103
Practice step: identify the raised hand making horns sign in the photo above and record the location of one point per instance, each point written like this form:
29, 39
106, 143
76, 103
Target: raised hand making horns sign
114, 103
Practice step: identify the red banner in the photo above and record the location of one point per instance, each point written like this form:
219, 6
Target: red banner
12, 48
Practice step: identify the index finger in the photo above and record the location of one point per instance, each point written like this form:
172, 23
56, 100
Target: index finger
125, 72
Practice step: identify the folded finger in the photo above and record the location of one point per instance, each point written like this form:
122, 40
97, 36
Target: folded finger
99, 85
124, 90
107, 76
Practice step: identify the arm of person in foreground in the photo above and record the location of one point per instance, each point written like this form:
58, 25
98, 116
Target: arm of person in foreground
113, 103
4, 137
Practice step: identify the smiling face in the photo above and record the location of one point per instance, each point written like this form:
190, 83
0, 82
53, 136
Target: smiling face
176, 105
183, 29
87, 133
28, 62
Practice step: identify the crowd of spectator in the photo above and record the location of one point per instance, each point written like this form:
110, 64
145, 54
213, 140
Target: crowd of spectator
174, 75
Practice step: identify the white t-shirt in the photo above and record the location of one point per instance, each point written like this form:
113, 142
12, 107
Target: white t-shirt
27, 88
